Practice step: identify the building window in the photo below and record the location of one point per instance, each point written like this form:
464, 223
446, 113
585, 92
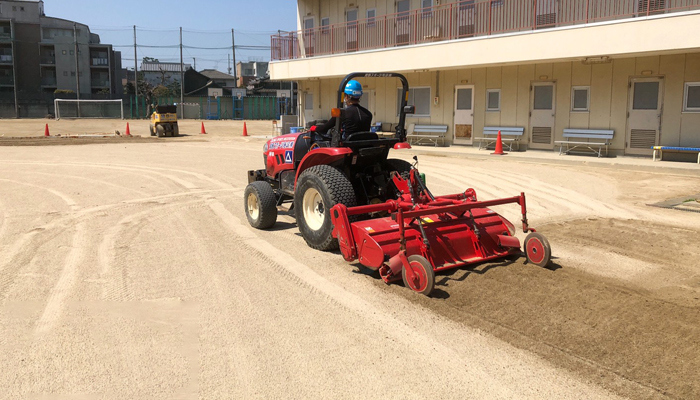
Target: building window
14, 8
580, 98
71, 52
371, 15
72, 73
65, 73
21, 8
691, 98
493, 100
325, 23
419, 97
495, 3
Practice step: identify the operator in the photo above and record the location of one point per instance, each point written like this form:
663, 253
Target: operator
357, 118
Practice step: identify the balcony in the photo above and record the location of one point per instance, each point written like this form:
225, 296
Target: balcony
463, 19
5, 58
48, 60
7, 81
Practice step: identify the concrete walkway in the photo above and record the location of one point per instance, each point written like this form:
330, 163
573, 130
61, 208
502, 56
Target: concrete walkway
552, 157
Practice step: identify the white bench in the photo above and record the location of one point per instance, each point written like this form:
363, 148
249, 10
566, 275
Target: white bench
510, 136
427, 134
596, 140
661, 149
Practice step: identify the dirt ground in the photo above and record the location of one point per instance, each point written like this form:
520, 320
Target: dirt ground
128, 270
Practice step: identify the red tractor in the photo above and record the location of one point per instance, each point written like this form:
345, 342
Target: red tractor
314, 173
382, 213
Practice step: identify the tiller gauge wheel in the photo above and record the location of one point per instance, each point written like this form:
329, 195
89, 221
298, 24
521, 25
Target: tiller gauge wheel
537, 249
423, 280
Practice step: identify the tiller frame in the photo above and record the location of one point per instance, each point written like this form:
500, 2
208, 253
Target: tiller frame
412, 237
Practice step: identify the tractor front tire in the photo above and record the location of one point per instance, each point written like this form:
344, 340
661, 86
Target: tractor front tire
160, 130
260, 205
319, 189
176, 130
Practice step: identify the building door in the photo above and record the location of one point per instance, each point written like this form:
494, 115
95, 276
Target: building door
309, 107
542, 116
464, 114
403, 22
351, 17
644, 117
309, 36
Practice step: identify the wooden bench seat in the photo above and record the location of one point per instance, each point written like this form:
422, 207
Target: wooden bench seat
661, 149
510, 136
427, 134
591, 141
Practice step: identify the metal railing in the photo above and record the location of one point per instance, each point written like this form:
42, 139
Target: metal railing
7, 80
462, 19
6, 58
48, 60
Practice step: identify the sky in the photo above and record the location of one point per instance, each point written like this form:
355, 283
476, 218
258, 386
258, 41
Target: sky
205, 23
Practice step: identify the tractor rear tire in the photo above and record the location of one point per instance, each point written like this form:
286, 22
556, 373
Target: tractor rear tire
260, 205
160, 130
176, 130
425, 276
319, 188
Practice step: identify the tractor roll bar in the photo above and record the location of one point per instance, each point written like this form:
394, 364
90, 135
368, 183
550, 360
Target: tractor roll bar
400, 130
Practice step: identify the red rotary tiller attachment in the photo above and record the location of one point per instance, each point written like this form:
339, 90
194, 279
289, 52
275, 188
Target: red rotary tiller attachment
412, 237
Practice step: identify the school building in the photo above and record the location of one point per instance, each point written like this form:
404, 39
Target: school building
629, 66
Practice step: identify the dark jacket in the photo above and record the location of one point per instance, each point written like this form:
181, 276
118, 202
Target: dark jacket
357, 119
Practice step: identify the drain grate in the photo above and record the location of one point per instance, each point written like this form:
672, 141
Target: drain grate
688, 203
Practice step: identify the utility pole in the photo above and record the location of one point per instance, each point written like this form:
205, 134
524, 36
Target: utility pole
77, 64
182, 80
233, 47
136, 76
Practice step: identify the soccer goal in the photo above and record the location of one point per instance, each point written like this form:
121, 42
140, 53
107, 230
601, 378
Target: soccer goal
89, 108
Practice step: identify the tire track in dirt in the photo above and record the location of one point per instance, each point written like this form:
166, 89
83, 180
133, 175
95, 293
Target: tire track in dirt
67, 199
302, 275
113, 264
93, 181
66, 281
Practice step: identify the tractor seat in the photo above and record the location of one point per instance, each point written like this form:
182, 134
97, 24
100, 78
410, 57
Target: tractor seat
361, 136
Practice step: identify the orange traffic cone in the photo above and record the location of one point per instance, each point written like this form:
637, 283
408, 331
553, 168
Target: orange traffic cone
245, 129
128, 132
46, 130
499, 146
203, 132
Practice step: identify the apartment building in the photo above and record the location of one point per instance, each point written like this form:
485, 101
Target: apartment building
248, 71
38, 56
631, 66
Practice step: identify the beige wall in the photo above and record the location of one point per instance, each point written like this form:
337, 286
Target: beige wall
609, 92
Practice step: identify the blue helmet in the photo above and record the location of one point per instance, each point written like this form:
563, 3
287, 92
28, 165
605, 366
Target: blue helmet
353, 89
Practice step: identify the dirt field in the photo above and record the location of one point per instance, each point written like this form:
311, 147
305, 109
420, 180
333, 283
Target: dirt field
128, 270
